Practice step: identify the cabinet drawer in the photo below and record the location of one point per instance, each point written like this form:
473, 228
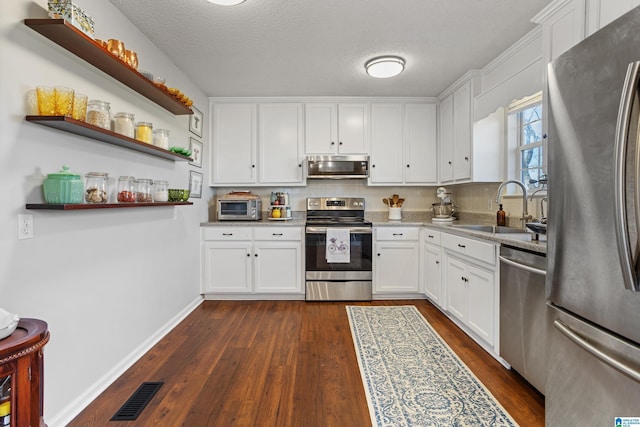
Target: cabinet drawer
227, 233
278, 233
431, 236
397, 233
482, 251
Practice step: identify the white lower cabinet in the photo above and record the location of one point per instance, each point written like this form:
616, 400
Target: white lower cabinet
432, 267
252, 260
397, 261
277, 261
471, 286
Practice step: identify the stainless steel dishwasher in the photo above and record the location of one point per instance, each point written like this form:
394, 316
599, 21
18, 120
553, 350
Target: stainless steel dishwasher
523, 313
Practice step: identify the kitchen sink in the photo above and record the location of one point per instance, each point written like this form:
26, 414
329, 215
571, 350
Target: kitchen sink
511, 232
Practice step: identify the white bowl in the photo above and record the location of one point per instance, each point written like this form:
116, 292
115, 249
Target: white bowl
8, 323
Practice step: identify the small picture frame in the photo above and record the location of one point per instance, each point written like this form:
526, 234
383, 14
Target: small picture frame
195, 122
196, 152
195, 184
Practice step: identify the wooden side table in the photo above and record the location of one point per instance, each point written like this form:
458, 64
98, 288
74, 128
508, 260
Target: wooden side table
22, 369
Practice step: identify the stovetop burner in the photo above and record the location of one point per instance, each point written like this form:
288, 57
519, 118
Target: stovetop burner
338, 221
336, 212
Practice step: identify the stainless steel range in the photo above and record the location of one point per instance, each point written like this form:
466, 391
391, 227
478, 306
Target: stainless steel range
338, 243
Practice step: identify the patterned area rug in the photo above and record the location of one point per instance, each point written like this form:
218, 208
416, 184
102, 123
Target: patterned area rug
412, 377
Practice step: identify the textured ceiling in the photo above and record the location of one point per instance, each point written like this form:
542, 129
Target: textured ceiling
319, 47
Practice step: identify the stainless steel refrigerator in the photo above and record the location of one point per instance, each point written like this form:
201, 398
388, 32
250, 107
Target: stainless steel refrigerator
593, 303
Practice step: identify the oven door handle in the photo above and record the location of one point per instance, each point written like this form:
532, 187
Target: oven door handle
352, 230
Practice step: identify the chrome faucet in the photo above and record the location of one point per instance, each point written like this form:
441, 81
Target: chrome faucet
525, 212
543, 219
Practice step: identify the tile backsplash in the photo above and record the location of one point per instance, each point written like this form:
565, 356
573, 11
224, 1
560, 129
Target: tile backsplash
471, 198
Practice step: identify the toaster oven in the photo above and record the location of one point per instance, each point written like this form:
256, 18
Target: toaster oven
239, 209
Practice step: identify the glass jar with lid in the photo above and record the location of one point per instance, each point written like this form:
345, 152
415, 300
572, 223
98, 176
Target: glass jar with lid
161, 138
144, 189
96, 187
160, 191
144, 132
99, 114
126, 189
123, 124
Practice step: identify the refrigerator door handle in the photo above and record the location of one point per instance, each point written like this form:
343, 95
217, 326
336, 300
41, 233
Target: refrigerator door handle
630, 271
606, 358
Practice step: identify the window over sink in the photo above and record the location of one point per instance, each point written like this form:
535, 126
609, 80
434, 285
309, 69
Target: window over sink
526, 143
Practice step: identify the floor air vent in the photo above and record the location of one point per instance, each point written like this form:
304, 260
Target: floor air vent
137, 402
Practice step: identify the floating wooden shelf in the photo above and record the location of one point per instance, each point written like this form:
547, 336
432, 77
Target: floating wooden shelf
75, 41
77, 127
52, 207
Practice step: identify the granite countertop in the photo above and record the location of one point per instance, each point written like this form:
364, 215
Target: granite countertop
409, 219
421, 219
297, 220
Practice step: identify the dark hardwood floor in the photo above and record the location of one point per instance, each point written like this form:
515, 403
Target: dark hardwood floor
279, 363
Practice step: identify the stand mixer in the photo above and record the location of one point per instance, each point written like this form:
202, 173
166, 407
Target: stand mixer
444, 211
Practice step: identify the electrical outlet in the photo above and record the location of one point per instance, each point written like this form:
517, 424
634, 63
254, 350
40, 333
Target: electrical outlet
25, 226
489, 204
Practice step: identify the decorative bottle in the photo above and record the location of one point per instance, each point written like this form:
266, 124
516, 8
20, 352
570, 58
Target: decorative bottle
501, 217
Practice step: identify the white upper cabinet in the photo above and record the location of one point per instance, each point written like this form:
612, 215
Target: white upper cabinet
386, 144
420, 144
280, 142
336, 128
603, 12
446, 139
462, 126
257, 144
403, 144
233, 157
456, 130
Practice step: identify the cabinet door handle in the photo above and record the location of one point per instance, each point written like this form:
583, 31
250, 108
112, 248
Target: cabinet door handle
227, 234
431, 236
408, 166
248, 254
255, 255
397, 234
299, 165
276, 234
340, 143
449, 161
437, 262
333, 143
373, 166
461, 246
378, 254
466, 158
253, 166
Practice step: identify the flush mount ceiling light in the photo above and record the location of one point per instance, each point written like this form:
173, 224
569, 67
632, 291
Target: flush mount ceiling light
384, 66
226, 2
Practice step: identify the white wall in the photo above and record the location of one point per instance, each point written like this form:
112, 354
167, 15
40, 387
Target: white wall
108, 282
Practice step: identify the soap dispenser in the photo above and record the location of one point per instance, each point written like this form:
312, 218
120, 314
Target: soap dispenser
501, 217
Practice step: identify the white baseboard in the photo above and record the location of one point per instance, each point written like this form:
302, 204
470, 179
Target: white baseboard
253, 297
76, 406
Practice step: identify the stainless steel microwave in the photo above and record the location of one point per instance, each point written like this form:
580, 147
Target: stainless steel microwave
338, 167
239, 209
